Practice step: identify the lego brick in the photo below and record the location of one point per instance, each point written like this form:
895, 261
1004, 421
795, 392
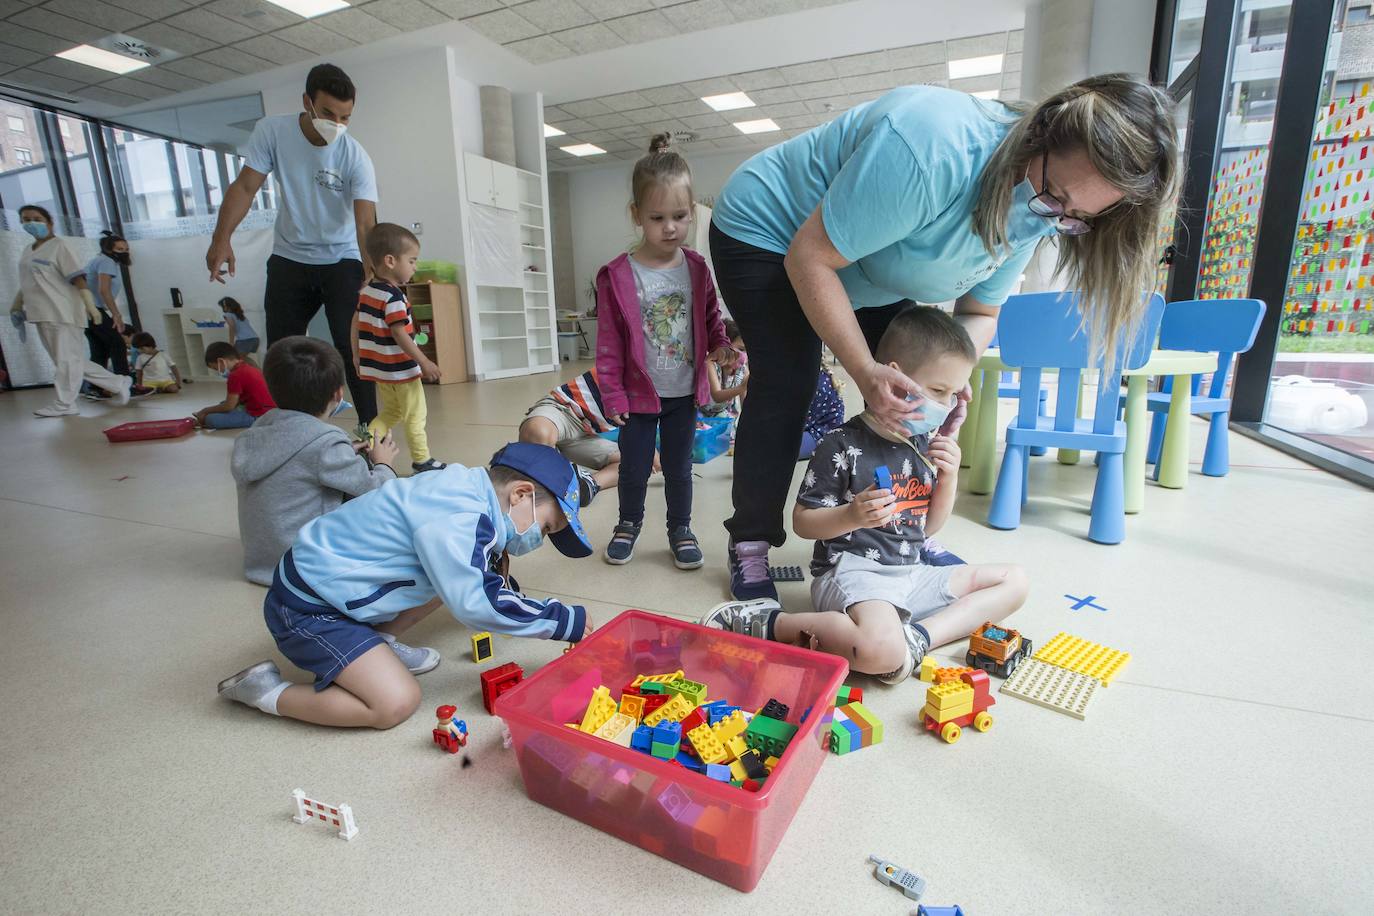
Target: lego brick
950, 700
752, 785
718, 772
599, 710
708, 747
1083, 657
848, 694
663, 751
651, 703
928, 665
497, 681
768, 735
770, 764
730, 726
618, 728
690, 763
674, 801
643, 679
735, 747
642, 738
786, 574
668, 732
652, 687
882, 477
949, 675
845, 735
481, 647
866, 720
1052, 687
693, 719
632, 706
752, 761
775, 710
676, 709
692, 690
939, 911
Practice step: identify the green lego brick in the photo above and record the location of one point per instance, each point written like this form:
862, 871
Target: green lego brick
737, 783
840, 739
663, 751
843, 695
692, 690
652, 687
769, 735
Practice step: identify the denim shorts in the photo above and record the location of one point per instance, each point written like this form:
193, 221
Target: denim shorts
314, 638
915, 591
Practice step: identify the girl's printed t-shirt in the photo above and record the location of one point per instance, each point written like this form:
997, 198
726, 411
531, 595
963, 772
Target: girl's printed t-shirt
665, 304
156, 367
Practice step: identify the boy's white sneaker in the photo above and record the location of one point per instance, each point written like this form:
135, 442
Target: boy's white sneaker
121, 396
251, 684
417, 659
53, 410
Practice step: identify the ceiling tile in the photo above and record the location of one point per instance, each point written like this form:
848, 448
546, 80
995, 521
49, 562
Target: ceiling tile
44, 20
540, 49
170, 79
819, 89
240, 60
759, 79
153, 9
588, 39
585, 108
10, 7
917, 55
810, 72
976, 46
41, 42
108, 96
625, 101
268, 48
17, 57
630, 133
609, 9
404, 15
619, 146
662, 95
357, 25
719, 130
784, 110
794, 121
314, 38
686, 109
42, 80
697, 122
977, 83
198, 68
96, 12
641, 27
717, 86
183, 42
643, 115
607, 121
70, 70
834, 103
461, 9
913, 76
1014, 40
869, 82
204, 22
553, 15
1012, 62
553, 114
502, 26
1012, 83
757, 9
860, 64
575, 125
258, 15
699, 14
769, 96
136, 87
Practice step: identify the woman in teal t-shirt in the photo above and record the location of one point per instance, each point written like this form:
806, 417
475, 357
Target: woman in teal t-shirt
924, 194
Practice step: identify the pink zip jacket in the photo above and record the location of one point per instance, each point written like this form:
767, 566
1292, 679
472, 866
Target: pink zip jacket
621, 373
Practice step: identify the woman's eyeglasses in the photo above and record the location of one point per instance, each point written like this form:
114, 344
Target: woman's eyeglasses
1048, 206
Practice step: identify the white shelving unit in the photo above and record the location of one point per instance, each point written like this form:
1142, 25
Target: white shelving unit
511, 328
185, 341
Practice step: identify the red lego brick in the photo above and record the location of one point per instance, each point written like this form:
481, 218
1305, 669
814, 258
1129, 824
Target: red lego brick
497, 681
694, 718
653, 701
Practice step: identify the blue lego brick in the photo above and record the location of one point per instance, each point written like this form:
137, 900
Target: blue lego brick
666, 732
642, 739
924, 910
691, 763
722, 711
882, 477
995, 634
718, 771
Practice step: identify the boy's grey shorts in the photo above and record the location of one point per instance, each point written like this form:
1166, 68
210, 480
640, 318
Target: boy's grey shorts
916, 591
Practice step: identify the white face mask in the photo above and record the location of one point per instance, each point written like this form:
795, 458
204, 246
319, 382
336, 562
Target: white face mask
328, 130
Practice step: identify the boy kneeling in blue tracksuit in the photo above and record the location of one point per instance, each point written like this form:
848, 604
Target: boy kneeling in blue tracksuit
362, 574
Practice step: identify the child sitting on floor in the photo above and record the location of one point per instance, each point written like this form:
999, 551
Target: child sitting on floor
247, 397
876, 602
571, 419
293, 466
152, 369
361, 575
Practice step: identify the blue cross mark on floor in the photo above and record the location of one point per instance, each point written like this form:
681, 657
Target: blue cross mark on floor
1080, 603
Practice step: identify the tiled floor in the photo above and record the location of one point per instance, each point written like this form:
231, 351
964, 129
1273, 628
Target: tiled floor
1225, 771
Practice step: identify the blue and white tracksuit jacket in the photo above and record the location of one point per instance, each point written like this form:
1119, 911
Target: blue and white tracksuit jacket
398, 546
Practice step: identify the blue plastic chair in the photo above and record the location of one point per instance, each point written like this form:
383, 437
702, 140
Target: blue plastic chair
1227, 326
1044, 331
1009, 389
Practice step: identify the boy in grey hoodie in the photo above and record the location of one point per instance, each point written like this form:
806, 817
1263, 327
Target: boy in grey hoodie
292, 466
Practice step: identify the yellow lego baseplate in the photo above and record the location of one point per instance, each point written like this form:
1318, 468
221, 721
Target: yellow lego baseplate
1083, 657
1051, 687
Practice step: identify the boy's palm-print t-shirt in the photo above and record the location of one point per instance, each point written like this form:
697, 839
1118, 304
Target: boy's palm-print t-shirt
843, 467
665, 305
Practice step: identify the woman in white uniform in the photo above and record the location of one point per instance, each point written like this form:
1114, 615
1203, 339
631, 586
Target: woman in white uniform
53, 295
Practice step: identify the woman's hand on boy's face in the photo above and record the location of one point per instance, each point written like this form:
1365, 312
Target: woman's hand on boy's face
957, 414
945, 453
872, 508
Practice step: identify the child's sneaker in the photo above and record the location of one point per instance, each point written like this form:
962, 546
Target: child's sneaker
252, 684
55, 410
621, 548
417, 659
686, 550
429, 464
917, 644
587, 487
749, 576
751, 618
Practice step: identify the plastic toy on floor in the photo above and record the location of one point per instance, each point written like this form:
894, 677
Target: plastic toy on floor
497, 681
786, 574
996, 650
142, 430
954, 705
893, 875
450, 734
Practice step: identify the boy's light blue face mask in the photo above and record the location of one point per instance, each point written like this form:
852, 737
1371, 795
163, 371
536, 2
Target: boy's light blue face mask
934, 416
519, 543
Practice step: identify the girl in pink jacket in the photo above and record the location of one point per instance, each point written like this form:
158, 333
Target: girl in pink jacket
657, 319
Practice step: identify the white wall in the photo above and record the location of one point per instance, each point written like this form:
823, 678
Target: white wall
600, 211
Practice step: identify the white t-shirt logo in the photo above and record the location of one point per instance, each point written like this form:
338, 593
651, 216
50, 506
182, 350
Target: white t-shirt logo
329, 179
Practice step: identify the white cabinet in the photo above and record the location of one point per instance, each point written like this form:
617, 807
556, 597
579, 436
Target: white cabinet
494, 184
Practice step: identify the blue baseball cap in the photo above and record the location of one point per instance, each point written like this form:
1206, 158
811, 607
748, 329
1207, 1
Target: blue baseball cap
554, 473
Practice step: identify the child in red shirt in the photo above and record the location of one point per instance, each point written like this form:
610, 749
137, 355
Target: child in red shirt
247, 397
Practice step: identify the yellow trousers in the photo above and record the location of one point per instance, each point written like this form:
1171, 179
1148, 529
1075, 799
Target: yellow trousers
403, 404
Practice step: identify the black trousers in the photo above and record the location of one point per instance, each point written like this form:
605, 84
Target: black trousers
107, 347
784, 361
675, 426
295, 293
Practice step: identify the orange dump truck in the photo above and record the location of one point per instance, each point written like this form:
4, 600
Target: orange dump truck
996, 650
955, 704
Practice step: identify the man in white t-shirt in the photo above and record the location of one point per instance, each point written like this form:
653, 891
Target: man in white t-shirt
327, 202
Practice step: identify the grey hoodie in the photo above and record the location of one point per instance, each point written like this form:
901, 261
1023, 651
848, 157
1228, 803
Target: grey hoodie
290, 468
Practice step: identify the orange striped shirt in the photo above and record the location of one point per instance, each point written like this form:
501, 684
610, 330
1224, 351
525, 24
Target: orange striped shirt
382, 306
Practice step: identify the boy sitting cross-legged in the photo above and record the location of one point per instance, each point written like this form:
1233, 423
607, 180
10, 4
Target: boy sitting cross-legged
876, 602
378, 564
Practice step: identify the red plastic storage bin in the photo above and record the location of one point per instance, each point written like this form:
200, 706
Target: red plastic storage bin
150, 429
719, 830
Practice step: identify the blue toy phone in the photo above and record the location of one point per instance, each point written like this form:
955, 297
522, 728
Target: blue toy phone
882, 477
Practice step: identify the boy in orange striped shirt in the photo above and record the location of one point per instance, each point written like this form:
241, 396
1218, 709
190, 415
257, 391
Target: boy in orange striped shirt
383, 349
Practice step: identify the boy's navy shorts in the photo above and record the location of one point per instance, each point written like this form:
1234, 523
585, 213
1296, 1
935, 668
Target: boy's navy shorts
313, 637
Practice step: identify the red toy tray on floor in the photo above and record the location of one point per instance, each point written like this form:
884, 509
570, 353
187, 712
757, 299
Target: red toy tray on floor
714, 828
150, 429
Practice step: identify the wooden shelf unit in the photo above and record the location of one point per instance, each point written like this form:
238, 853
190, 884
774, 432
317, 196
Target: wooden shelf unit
437, 309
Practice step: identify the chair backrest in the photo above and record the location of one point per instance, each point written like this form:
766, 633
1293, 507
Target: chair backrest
1223, 326
1045, 331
